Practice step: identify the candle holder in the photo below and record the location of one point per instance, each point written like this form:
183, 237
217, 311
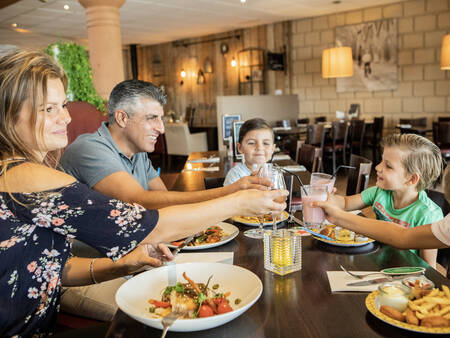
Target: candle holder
282, 251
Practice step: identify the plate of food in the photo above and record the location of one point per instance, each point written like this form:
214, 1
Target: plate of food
213, 236
428, 312
254, 221
342, 237
208, 295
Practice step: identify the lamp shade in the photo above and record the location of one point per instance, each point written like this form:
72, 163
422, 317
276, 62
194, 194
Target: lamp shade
337, 62
445, 53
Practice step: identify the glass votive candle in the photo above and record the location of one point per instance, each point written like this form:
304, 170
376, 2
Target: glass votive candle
282, 251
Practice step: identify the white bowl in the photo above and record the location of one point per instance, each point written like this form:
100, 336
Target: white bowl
132, 297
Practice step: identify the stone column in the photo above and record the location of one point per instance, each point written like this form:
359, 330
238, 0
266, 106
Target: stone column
105, 45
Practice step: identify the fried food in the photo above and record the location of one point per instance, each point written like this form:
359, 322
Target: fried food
410, 317
435, 321
328, 231
393, 313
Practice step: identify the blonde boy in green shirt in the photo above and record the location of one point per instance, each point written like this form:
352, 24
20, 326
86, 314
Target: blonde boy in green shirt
410, 164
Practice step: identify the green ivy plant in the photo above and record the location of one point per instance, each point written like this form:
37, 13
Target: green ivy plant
75, 62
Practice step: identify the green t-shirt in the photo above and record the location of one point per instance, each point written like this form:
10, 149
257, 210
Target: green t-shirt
422, 211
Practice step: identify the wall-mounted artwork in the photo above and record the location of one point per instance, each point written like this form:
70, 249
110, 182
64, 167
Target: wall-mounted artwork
374, 48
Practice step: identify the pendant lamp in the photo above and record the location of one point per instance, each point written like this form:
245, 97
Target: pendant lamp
445, 53
337, 62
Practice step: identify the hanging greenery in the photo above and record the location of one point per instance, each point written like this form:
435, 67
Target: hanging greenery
75, 62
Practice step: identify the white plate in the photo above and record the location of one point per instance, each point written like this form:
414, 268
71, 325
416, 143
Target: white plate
344, 244
373, 305
255, 223
230, 230
132, 297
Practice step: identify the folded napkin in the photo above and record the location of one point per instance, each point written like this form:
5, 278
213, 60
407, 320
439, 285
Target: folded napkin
339, 280
407, 126
204, 257
294, 168
281, 157
201, 169
206, 160
281, 128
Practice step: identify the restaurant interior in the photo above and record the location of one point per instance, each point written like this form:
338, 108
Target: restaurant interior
331, 78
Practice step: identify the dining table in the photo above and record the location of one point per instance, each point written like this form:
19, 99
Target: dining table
300, 304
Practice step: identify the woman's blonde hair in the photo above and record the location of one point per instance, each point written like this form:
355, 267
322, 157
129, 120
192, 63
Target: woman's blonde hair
23, 76
423, 158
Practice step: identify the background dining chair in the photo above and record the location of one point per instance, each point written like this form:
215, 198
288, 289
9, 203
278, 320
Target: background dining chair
441, 137
320, 119
338, 142
443, 118
315, 135
309, 156
213, 182
356, 136
180, 141
294, 200
358, 179
373, 138
303, 121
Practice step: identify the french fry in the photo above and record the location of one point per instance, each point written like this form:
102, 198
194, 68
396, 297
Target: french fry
446, 291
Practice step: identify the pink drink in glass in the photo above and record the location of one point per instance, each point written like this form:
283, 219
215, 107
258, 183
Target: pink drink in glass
313, 217
323, 179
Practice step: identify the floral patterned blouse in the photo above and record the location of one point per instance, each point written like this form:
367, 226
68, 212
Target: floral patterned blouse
35, 245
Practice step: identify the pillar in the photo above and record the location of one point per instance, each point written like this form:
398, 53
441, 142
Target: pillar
105, 45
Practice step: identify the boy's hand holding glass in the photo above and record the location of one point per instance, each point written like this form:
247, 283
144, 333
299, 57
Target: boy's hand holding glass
252, 182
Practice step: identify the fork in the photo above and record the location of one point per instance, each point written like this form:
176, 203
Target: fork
361, 276
168, 320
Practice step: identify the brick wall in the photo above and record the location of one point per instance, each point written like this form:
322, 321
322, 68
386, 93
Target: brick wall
423, 88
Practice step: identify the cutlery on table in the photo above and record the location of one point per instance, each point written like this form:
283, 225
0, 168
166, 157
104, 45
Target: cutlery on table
376, 281
182, 245
361, 276
406, 270
168, 320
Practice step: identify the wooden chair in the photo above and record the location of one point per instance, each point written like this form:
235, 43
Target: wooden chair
315, 135
356, 136
418, 122
320, 119
339, 134
441, 137
303, 121
358, 179
443, 118
294, 200
213, 182
309, 156
373, 138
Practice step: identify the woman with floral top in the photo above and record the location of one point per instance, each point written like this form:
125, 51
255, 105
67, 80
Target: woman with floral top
41, 208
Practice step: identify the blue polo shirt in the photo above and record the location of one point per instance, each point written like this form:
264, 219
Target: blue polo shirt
92, 157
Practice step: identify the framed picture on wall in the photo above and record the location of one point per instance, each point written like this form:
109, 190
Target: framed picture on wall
236, 128
227, 125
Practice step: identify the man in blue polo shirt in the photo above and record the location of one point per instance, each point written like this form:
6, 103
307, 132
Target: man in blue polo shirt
113, 160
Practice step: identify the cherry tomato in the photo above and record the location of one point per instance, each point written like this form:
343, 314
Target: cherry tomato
177, 243
205, 311
218, 300
158, 303
224, 307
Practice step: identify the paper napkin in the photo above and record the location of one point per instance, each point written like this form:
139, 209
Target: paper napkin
339, 280
281, 157
294, 168
206, 160
201, 169
204, 257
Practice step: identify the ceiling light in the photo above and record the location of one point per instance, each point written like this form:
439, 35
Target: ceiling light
233, 62
14, 25
66, 7
243, 1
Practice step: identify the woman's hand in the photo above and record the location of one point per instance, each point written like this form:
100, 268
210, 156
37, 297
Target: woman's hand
252, 182
257, 202
144, 255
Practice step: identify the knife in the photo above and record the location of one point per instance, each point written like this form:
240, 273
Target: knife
375, 281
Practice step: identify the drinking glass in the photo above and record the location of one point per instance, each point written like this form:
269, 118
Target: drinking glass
313, 217
278, 183
325, 179
265, 171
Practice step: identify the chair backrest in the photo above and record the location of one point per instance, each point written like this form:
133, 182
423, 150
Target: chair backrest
213, 182
309, 156
320, 119
85, 119
418, 122
315, 134
358, 179
190, 114
339, 132
443, 118
180, 141
357, 130
160, 146
303, 121
441, 133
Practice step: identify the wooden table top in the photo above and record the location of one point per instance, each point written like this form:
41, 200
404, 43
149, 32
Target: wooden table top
300, 304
